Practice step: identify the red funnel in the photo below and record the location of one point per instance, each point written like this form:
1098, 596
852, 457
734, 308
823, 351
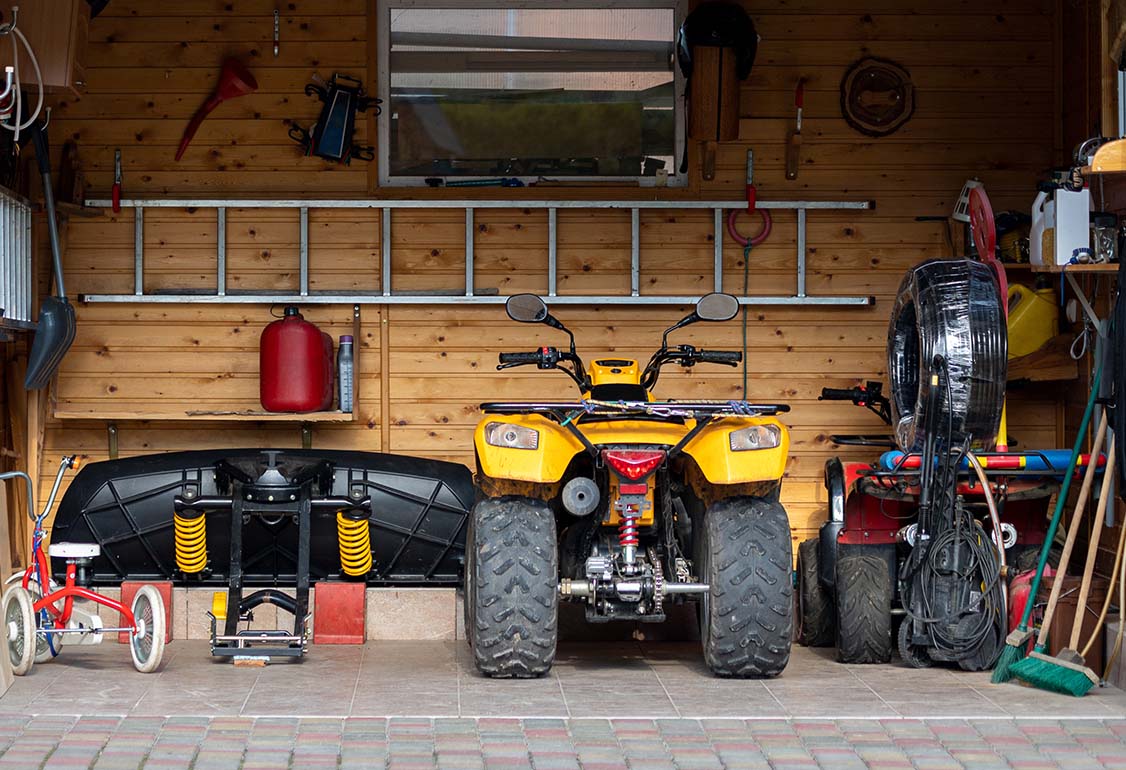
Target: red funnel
234, 80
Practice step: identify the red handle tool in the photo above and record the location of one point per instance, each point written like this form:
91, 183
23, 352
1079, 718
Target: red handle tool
116, 193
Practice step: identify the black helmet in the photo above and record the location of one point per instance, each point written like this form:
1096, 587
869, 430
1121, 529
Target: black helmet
720, 24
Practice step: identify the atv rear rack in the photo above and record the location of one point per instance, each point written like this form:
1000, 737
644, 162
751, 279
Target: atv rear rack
567, 412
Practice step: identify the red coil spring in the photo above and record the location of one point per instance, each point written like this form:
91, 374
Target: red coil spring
627, 531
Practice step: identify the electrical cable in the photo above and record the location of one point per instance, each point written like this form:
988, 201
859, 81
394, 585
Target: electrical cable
18, 39
995, 520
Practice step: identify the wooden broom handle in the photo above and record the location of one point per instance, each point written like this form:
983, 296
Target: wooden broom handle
1093, 545
1072, 534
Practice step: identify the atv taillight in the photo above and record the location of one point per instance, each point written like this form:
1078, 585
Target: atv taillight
633, 464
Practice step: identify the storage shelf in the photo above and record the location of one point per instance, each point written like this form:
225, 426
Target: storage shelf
1104, 267
204, 416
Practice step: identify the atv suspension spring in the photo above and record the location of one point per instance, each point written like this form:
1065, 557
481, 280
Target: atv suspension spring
354, 537
627, 531
191, 542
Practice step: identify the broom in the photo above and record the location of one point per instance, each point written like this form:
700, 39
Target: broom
1039, 668
1066, 672
1017, 641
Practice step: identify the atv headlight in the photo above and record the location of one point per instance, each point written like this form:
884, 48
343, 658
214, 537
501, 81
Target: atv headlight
756, 437
512, 436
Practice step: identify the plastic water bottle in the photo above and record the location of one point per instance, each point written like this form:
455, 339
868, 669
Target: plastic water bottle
344, 372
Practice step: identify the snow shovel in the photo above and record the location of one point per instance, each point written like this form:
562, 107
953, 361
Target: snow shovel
56, 326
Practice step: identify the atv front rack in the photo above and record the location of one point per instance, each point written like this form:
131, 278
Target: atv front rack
568, 412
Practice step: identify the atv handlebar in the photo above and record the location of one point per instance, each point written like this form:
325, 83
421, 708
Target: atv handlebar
842, 394
516, 359
728, 357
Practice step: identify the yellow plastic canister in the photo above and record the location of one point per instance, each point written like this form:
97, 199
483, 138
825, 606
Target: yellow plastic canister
1034, 318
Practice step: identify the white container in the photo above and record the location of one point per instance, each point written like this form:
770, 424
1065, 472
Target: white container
1061, 225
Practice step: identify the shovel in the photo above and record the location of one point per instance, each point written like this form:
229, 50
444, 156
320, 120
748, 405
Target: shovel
56, 326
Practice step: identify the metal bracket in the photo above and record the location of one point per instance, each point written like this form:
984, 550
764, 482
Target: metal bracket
307, 434
111, 439
1088, 310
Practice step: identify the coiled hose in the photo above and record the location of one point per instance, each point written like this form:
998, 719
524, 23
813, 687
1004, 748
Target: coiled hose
191, 542
952, 309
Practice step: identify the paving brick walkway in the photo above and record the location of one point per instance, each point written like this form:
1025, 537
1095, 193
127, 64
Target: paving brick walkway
241, 743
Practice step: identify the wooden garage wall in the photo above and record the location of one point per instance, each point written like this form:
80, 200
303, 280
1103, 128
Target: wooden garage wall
986, 108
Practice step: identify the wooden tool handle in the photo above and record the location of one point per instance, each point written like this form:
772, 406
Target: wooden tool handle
1093, 546
1072, 534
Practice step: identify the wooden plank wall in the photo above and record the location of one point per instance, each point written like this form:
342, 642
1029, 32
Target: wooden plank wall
986, 108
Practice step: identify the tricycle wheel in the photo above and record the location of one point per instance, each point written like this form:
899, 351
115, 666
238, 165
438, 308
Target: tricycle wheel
815, 604
863, 610
747, 616
512, 597
47, 646
19, 628
146, 642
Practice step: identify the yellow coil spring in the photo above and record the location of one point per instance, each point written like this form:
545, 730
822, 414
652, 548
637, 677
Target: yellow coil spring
191, 543
355, 545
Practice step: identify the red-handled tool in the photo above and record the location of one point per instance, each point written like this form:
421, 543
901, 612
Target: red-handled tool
793, 143
115, 195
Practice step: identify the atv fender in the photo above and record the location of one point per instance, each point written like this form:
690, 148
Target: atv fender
827, 535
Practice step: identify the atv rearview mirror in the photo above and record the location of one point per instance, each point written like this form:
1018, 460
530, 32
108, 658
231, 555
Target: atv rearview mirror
526, 308
710, 307
717, 307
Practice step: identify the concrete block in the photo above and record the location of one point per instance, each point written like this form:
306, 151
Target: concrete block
411, 614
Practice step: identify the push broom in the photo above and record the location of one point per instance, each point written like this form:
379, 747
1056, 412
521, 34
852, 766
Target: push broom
1017, 641
1066, 673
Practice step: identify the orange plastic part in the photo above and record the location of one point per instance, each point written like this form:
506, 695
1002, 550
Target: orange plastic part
338, 613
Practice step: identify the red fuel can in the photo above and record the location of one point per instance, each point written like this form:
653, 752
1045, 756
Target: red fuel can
295, 366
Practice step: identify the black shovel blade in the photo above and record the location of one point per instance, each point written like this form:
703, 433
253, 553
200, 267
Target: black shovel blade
53, 336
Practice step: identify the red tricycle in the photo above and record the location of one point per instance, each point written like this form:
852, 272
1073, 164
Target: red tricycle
39, 613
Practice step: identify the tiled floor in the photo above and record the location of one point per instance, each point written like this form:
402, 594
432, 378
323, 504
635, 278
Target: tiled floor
437, 679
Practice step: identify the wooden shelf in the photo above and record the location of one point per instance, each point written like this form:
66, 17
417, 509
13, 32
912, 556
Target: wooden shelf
203, 416
1051, 363
1104, 267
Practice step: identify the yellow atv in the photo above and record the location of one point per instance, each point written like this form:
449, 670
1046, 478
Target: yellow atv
627, 504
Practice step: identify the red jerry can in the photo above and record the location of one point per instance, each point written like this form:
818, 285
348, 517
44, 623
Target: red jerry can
295, 366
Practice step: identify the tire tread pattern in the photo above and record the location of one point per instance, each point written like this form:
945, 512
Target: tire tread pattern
750, 625
817, 612
515, 587
863, 610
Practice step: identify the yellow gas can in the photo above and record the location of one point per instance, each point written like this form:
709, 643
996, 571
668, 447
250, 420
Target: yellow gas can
1034, 318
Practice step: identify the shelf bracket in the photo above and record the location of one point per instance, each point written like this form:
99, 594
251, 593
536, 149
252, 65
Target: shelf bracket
111, 439
306, 435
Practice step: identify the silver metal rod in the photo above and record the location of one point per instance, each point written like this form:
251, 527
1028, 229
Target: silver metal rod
221, 251
10, 279
447, 299
717, 253
552, 251
98, 630
635, 252
801, 252
468, 251
385, 252
686, 588
304, 252
415, 203
139, 251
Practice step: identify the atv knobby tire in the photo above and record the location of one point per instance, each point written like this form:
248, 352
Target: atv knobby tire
815, 604
747, 616
511, 587
863, 610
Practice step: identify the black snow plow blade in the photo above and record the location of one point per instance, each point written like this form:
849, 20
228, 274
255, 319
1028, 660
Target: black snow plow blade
418, 511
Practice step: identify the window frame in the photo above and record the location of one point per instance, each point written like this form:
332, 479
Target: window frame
383, 8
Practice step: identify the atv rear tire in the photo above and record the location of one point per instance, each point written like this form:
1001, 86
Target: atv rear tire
512, 598
863, 610
815, 604
747, 616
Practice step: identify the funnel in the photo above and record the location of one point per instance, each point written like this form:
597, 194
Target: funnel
234, 80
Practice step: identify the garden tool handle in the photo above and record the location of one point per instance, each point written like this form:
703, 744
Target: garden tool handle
1072, 534
43, 158
1093, 546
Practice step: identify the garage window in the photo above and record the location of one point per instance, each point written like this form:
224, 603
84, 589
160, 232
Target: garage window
532, 91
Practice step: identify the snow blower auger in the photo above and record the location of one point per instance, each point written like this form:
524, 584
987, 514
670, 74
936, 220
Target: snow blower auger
331, 137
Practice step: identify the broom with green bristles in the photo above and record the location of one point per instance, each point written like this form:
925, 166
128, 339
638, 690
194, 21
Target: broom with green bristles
1017, 641
1065, 672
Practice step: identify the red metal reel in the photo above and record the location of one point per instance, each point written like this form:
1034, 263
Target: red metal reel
984, 231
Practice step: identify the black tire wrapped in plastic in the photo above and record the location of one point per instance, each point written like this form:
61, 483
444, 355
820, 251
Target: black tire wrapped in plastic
950, 308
